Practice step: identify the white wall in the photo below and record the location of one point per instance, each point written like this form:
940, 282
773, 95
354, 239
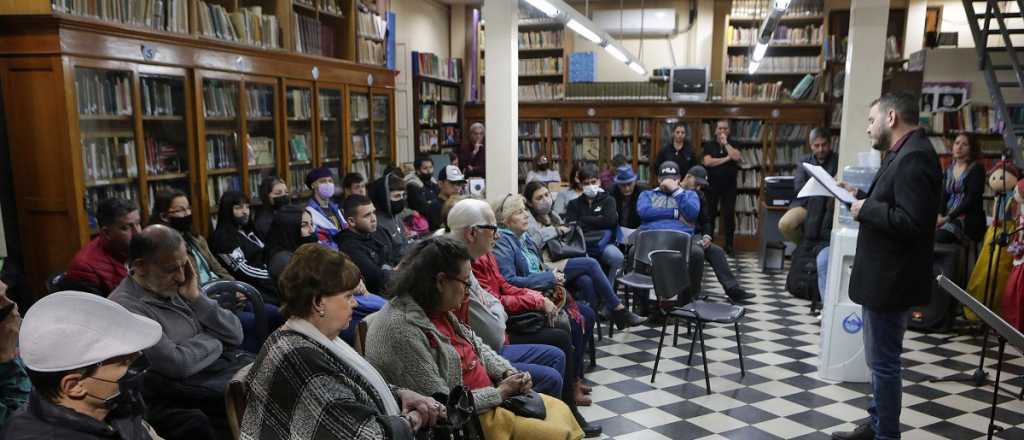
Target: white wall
960, 64
954, 19
423, 26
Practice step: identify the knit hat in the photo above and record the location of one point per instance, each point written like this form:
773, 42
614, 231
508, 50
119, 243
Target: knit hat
317, 174
625, 175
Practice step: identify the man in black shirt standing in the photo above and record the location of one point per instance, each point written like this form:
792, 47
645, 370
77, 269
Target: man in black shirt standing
722, 162
678, 150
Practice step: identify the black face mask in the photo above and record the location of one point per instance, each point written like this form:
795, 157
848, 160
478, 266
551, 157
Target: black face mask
311, 238
397, 206
128, 399
425, 177
279, 201
241, 221
181, 224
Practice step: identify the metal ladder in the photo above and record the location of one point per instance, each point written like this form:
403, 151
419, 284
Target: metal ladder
997, 61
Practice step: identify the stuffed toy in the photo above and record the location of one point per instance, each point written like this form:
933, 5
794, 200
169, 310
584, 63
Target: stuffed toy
1012, 305
1002, 180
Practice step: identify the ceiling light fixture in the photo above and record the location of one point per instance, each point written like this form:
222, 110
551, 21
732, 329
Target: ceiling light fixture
637, 68
584, 31
545, 7
616, 53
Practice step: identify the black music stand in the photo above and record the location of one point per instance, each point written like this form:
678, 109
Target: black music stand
1004, 332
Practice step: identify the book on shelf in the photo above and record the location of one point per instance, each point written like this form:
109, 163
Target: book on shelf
329, 106
973, 118
449, 114
783, 35
751, 157
541, 66
299, 104
216, 186
260, 102
746, 131
360, 146
587, 149
162, 15
261, 151
586, 129
775, 64
164, 157
109, 157
362, 167
332, 7
428, 140
752, 91
809, 88
528, 149
428, 114
220, 151
644, 150
372, 52
298, 148
531, 129
746, 223
542, 92
759, 8
381, 105
622, 127
431, 65
247, 26
452, 136
360, 108
623, 147
297, 179
940, 145
792, 132
616, 91
646, 128
157, 96
370, 25
748, 179
540, 40
220, 99
106, 93
312, 37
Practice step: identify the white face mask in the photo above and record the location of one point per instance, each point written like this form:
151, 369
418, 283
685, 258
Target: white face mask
592, 191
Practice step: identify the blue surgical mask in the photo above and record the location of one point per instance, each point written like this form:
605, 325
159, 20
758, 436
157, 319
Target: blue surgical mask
592, 191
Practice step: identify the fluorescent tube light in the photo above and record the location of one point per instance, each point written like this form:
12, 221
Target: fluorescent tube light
616, 53
759, 51
637, 68
753, 67
547, 8
584, 31
779, 4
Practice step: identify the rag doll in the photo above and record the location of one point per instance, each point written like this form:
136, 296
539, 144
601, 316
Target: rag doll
1002, 180
1012, 305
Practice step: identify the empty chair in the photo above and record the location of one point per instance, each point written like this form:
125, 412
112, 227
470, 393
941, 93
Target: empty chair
234, 400
671, 285
639, 278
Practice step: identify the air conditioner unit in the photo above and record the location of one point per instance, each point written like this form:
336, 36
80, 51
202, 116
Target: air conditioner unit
656, 22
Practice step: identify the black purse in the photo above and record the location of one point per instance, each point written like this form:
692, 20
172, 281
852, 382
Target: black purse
462, 422
569, 245
528, 404
526, 323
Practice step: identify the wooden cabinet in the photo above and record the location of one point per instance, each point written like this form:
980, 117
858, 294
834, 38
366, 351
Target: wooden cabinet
95, 110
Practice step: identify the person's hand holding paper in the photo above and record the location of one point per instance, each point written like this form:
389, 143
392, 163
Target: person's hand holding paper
823, 184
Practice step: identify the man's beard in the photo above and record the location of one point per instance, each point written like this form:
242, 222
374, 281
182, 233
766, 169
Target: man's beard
884, 139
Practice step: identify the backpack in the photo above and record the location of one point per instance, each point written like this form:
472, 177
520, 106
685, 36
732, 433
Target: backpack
802, 281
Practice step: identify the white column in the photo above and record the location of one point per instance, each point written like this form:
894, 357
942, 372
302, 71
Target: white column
501, 88
865, 57
917, 10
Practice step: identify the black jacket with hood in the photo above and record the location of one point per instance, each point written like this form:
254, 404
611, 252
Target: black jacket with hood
388, 212
240, 250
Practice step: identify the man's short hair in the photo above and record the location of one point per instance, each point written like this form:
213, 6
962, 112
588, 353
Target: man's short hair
48, 384
352, 179
352, 203
419, 160
819, 133
154, 240
906, 105
109, 210
588, 171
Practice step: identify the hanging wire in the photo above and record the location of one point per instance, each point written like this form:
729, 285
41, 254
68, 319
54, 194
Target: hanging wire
640, 53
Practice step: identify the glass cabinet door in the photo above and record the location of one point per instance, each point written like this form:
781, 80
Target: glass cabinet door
382, 133
359, 126
165, 136
531, 144
586, 142
261, 134
331, 131
557, 146
299, 112
105, 118
223, 156
621, 138
645, 149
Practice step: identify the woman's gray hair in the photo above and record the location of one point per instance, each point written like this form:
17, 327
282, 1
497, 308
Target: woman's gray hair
476, 125
508, 206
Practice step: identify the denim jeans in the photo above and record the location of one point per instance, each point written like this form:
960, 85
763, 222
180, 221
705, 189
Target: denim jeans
883, 344
822, 263
365, 304
589, 283
546, 365
611, 258
248, 321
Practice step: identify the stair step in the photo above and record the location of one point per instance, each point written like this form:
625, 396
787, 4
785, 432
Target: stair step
1002, 67
1009, 31
982, 16
1007, 84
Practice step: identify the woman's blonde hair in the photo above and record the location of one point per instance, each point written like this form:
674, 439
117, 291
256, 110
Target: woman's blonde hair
508, 206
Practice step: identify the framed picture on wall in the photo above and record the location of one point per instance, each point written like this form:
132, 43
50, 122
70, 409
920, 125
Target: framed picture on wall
939, 97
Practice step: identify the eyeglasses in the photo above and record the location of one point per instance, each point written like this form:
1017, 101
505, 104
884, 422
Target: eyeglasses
465, 282
492, 228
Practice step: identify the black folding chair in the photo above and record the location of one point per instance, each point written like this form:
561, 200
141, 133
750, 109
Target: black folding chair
638, 279
671, 285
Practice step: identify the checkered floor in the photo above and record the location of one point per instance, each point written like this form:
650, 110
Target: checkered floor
781, 395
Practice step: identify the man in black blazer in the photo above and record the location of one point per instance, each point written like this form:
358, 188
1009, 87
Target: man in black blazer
892, 270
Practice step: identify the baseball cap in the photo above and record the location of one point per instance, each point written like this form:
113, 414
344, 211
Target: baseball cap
669, 169
699, 173
451, 173
69, 330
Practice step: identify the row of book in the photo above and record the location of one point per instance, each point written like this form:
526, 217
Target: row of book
810, 88
783, 35
372, 52
540, 40
216, 186
111, 157
436, 92
616, 91
247, 25
163, 15
260, 101
792, 132
452, 136
748, 179
330, 104
542, 92
428, 114
261, 151
587, 149
312, 37
359, 108
540, 66
428, 141
332, 147
586, 129
644, 150
788, 155
332, 7
371, 25
94, 195
746, 223
740, 63
746, 203
528, 149
643, 174
428, 64
449, 114
751, 157
297, 179
298, 148
971, 118
105, 93
158, 96
752, 91
622, 127
221, 152
531, 129
756, 8
739, 130
220, 99
623, 147
299, 104
164, 157
646, 128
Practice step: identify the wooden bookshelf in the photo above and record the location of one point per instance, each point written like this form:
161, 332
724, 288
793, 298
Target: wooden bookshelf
156, 136
437, 97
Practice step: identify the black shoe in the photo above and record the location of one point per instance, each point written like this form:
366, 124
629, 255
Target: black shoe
589, 429
624, 318
863, 432
737, 294
730, 251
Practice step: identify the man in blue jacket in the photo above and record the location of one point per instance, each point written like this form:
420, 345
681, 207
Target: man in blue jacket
672, 207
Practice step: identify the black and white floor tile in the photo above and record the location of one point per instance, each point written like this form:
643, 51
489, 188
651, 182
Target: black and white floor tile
781, 396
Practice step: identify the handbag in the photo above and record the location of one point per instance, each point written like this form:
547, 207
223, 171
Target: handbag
462, 422
528, 404
526, 323
568, 245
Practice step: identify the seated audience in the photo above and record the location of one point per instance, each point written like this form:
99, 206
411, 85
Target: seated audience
14, 382
962, 212
388, 195
273, 196
417, 343
326, 214
100, 266
79, 350
368, 246
521, 263
791, 225
696, 180
238, 247
352, 183
545, 224
596, 215
575, 190
424, 191
543, 171
625, 190
198, 352
307, 383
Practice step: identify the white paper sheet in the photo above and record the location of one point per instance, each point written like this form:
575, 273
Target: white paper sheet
827, 184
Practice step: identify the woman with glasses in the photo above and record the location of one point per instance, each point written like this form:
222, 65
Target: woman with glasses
417, 343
